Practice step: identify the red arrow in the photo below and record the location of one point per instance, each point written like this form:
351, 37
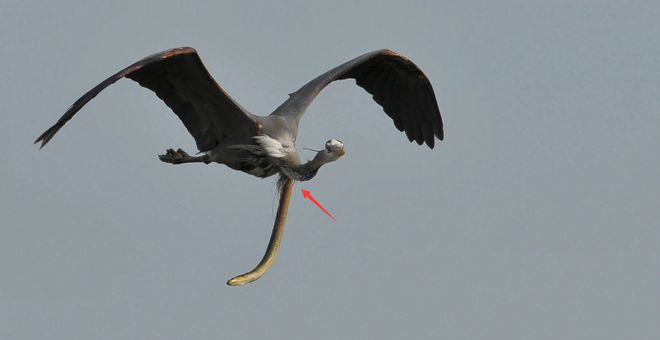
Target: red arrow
307, 194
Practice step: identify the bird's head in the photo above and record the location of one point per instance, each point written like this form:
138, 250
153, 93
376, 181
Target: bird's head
333, 150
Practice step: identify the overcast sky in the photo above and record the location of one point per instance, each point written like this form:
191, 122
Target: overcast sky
537, 218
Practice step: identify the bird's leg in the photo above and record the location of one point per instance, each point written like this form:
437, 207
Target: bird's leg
180, 156
273, 244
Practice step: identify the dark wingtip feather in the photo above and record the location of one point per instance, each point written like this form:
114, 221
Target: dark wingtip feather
439, 129
428, 136
46, 136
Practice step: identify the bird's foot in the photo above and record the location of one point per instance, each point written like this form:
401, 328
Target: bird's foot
175, 157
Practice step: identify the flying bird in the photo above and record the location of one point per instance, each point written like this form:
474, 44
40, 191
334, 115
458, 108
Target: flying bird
263, 146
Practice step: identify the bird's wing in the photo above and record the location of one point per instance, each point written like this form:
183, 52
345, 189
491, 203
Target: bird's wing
395, 82
179, 78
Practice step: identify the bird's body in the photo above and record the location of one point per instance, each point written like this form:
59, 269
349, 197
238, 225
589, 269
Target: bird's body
255, 155
263, 146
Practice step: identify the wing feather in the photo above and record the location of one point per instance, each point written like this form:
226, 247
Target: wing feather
394, 82
179, 78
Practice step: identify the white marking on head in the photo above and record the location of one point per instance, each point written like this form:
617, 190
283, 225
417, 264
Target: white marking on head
333, 143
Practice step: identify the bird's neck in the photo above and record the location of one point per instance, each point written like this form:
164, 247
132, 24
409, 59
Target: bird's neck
304, 171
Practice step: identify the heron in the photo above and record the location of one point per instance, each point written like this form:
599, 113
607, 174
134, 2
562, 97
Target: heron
263, 146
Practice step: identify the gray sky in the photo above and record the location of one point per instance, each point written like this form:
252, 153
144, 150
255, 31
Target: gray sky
535, 219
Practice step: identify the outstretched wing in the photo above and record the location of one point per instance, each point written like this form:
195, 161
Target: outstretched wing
395, 82
179, 78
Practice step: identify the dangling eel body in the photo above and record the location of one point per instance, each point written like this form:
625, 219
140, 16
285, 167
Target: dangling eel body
275, 240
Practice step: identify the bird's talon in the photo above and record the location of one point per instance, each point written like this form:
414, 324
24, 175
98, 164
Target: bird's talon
174, 157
